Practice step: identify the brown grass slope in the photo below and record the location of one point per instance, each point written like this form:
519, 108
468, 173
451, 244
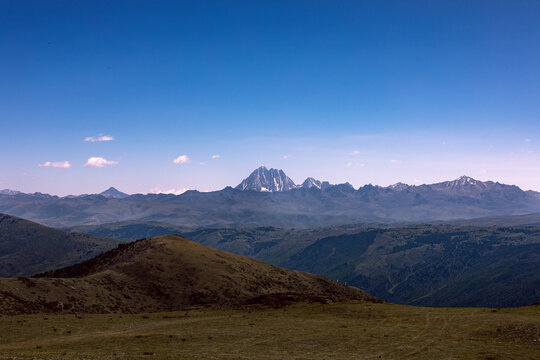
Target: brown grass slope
160, 274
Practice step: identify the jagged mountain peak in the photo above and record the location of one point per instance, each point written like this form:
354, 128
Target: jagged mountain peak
466, 180
462, 181
113, 193
9, 192
311, 183
263, 179
399, 186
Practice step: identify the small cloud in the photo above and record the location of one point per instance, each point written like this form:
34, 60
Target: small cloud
99, 138
444, 142
349, 164
182, 159
395, 161
354, 152
202, 163
527, 140
99, 162
216, 156
56, 164
287, 156
158, 190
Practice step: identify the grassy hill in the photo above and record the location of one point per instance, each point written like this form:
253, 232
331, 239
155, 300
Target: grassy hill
161, 274
427, 265
27, 248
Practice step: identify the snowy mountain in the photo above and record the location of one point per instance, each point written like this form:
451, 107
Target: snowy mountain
398, 186
267, 180
311, 183
9, 192
275, 200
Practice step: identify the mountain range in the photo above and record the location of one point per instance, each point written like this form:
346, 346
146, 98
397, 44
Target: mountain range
269, 197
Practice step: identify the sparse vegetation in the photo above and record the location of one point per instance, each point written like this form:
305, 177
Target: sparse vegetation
426, 265
300, 331
160, 274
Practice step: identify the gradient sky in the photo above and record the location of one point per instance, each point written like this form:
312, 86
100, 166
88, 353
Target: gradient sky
360, 91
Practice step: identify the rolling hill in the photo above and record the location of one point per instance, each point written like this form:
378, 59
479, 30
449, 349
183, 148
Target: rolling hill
164, 273
27, 248
428, 265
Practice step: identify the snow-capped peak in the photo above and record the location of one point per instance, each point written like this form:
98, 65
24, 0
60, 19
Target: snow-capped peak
399, 186
263, 180
311, 182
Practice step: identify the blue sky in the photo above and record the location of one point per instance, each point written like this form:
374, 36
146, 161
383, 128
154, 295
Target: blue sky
360, 91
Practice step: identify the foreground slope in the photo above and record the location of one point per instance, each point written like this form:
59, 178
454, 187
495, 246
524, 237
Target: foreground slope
27, 248
160, 274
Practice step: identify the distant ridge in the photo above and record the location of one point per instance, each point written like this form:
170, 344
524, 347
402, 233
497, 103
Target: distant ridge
270, 197
113, 193
9, 192
27, 247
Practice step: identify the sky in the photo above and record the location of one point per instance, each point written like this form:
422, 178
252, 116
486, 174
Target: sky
164, 96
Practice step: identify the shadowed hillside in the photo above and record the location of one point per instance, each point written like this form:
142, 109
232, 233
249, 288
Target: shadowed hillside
27, 248
160, 274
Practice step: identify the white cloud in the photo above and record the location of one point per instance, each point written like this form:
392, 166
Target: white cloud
159, 190
99, 138
395, 161
527, 140
202, 163
355, 152
182, 159
287, 156
216, 156
99, 162
56, 164
349, 164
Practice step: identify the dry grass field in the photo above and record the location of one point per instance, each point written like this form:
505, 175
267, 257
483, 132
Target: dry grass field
352, 330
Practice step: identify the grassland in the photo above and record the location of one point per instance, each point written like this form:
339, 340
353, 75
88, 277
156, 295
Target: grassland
353, 330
